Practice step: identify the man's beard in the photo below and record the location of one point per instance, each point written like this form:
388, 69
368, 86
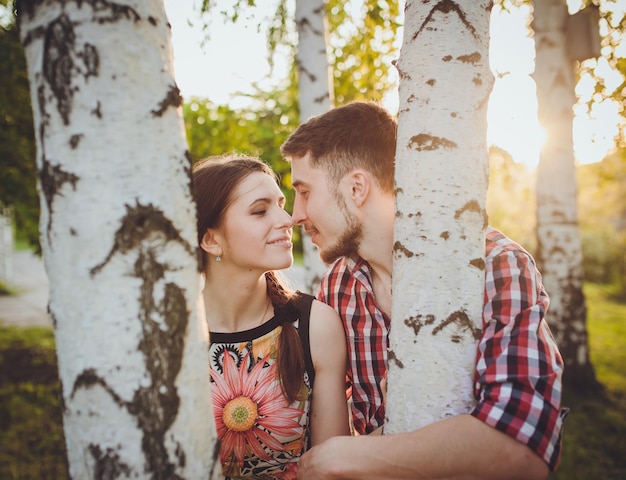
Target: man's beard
348, 242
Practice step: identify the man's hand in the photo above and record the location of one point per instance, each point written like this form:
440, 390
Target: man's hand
319, 462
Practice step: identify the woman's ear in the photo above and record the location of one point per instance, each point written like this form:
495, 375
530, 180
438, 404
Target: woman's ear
210, 243
360, 184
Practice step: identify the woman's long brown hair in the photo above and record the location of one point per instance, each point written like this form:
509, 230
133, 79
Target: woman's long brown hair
214, 180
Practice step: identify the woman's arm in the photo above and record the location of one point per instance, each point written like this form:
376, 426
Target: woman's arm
329, 409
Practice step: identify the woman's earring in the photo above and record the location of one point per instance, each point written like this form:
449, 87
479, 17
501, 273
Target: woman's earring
218, 258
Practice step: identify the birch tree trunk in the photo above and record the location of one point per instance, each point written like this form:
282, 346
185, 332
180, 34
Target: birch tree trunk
118, 236
315, 88
559, 246
439, 229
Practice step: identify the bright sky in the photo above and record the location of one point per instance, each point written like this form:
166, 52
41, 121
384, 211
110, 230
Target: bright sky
235, 56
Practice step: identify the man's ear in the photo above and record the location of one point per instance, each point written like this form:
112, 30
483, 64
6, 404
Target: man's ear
210, 243
360, 183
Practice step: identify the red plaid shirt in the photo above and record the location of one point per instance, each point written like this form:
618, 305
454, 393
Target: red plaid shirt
518, 369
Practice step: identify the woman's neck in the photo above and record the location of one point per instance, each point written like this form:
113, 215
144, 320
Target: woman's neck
237, 304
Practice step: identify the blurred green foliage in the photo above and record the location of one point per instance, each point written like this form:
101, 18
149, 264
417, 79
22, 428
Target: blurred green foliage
18, 171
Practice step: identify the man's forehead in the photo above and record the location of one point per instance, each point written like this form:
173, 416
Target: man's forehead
303, 173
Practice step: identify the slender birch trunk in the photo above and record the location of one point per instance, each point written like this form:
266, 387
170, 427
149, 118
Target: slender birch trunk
118, 236
315, 88
441, 184
559, 251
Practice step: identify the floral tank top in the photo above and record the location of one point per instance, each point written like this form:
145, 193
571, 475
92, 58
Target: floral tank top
261, 436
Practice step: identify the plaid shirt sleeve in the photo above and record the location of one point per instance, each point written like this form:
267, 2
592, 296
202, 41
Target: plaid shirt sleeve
519, 367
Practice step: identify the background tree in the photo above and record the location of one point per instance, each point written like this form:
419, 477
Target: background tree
315, 93
559, 246
439, 229
118, 237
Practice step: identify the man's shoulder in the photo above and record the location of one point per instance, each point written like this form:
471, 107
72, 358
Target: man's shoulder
497, 243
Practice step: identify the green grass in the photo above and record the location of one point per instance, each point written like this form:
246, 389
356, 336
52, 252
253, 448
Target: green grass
32, 445
594, 442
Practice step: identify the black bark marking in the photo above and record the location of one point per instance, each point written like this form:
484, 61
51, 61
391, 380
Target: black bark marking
423, 142
398, 247
305, 72
472, 206
88, 378
472, 58
91, 59
27, 6
321, 98
58, 64
141, 223
479, 263
419, 321
105, 11
156, 406
96, 111
446, 7
180, 455
52, 178
391, 357
172, 99
108, 464
216, 455
75, 140
305, 24
461, 318
53, 317
152, 21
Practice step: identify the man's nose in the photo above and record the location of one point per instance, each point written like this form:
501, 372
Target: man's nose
299, 212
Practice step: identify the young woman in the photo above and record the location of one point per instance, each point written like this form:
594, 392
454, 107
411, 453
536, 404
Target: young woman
278, 357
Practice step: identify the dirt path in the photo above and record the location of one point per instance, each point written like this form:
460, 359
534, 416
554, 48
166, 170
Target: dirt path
29, 307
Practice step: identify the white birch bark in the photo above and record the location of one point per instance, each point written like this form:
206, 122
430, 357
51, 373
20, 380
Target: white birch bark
315, 88
118, 237
559, 243
439, 229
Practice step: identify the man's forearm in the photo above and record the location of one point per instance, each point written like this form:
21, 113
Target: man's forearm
458, 448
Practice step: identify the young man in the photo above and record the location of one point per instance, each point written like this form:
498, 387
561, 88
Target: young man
342, 166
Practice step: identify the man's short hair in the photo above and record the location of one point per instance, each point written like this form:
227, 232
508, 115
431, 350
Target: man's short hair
356, 135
